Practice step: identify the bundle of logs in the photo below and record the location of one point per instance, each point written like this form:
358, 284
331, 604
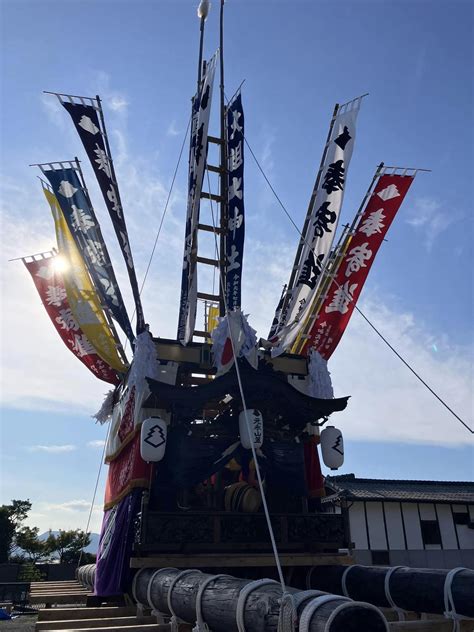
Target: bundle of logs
228, 604
410, 589
338, 598
86, 575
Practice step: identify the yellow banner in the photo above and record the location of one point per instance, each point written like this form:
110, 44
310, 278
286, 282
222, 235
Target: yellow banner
212, 316
81, 294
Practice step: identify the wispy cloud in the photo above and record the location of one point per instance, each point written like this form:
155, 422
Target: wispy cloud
117, 103
71, 514
96, 444
173, 130
431, 217
52, 449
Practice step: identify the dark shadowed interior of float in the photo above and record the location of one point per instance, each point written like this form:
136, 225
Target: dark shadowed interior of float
199, 494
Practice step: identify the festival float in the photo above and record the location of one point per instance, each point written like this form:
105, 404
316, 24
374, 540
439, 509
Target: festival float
214, 438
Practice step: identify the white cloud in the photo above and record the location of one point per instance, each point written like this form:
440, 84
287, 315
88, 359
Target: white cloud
388, 403
72, 514
117, 103
96, 444
431, 217
173, 130
52, 449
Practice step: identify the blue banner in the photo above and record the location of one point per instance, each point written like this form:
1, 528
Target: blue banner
85, 229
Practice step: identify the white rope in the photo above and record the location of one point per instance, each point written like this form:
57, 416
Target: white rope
449, 605
288, 617
345, 592
154, 608
366, 606
243, 595
201, 625
252, 446
174, 621
302, 596
314, 604
388, 596
134, 583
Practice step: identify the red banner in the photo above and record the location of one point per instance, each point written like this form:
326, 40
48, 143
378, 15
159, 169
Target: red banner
126, 472
48, 280
346, 287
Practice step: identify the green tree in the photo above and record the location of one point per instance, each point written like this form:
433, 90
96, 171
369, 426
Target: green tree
34, 549
68, 544
11, 519
7, 531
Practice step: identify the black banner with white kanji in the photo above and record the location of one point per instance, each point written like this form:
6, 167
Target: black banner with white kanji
85, 229
234, 242
88, 125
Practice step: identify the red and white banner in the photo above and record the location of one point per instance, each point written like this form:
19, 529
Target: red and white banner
345, 289
47, 277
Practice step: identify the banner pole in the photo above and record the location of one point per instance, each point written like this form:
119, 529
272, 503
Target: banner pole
223, 166
134, 282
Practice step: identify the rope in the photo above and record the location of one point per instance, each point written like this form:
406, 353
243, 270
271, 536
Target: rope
314, 604
201, 625
345, 592
366, 606
174, 621
161, 221
288, 617
243, 595
400, 612
324, 268
94, 495
252, 446
154, 608
449, 605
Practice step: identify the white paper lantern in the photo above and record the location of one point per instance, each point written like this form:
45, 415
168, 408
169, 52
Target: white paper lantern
255, 423
332, 447
153, 439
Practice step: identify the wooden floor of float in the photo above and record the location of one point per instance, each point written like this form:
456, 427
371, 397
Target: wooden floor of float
79, 616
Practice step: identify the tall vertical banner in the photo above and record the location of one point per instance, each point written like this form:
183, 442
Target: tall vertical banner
234, 242
88, 120
85, 229
322, 225
48, 280
197, 162
345, 289
81, 294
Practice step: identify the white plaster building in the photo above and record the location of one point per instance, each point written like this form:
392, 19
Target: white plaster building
424, 524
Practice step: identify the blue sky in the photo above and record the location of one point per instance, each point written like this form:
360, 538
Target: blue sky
297, 59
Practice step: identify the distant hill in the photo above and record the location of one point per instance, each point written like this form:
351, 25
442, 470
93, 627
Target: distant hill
92, 548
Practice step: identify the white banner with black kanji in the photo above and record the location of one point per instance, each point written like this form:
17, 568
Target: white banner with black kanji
321, 227
197, 162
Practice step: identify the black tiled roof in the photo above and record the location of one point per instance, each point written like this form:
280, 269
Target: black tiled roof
353, 488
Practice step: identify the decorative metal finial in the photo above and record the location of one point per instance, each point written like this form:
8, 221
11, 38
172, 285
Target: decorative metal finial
203, 9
